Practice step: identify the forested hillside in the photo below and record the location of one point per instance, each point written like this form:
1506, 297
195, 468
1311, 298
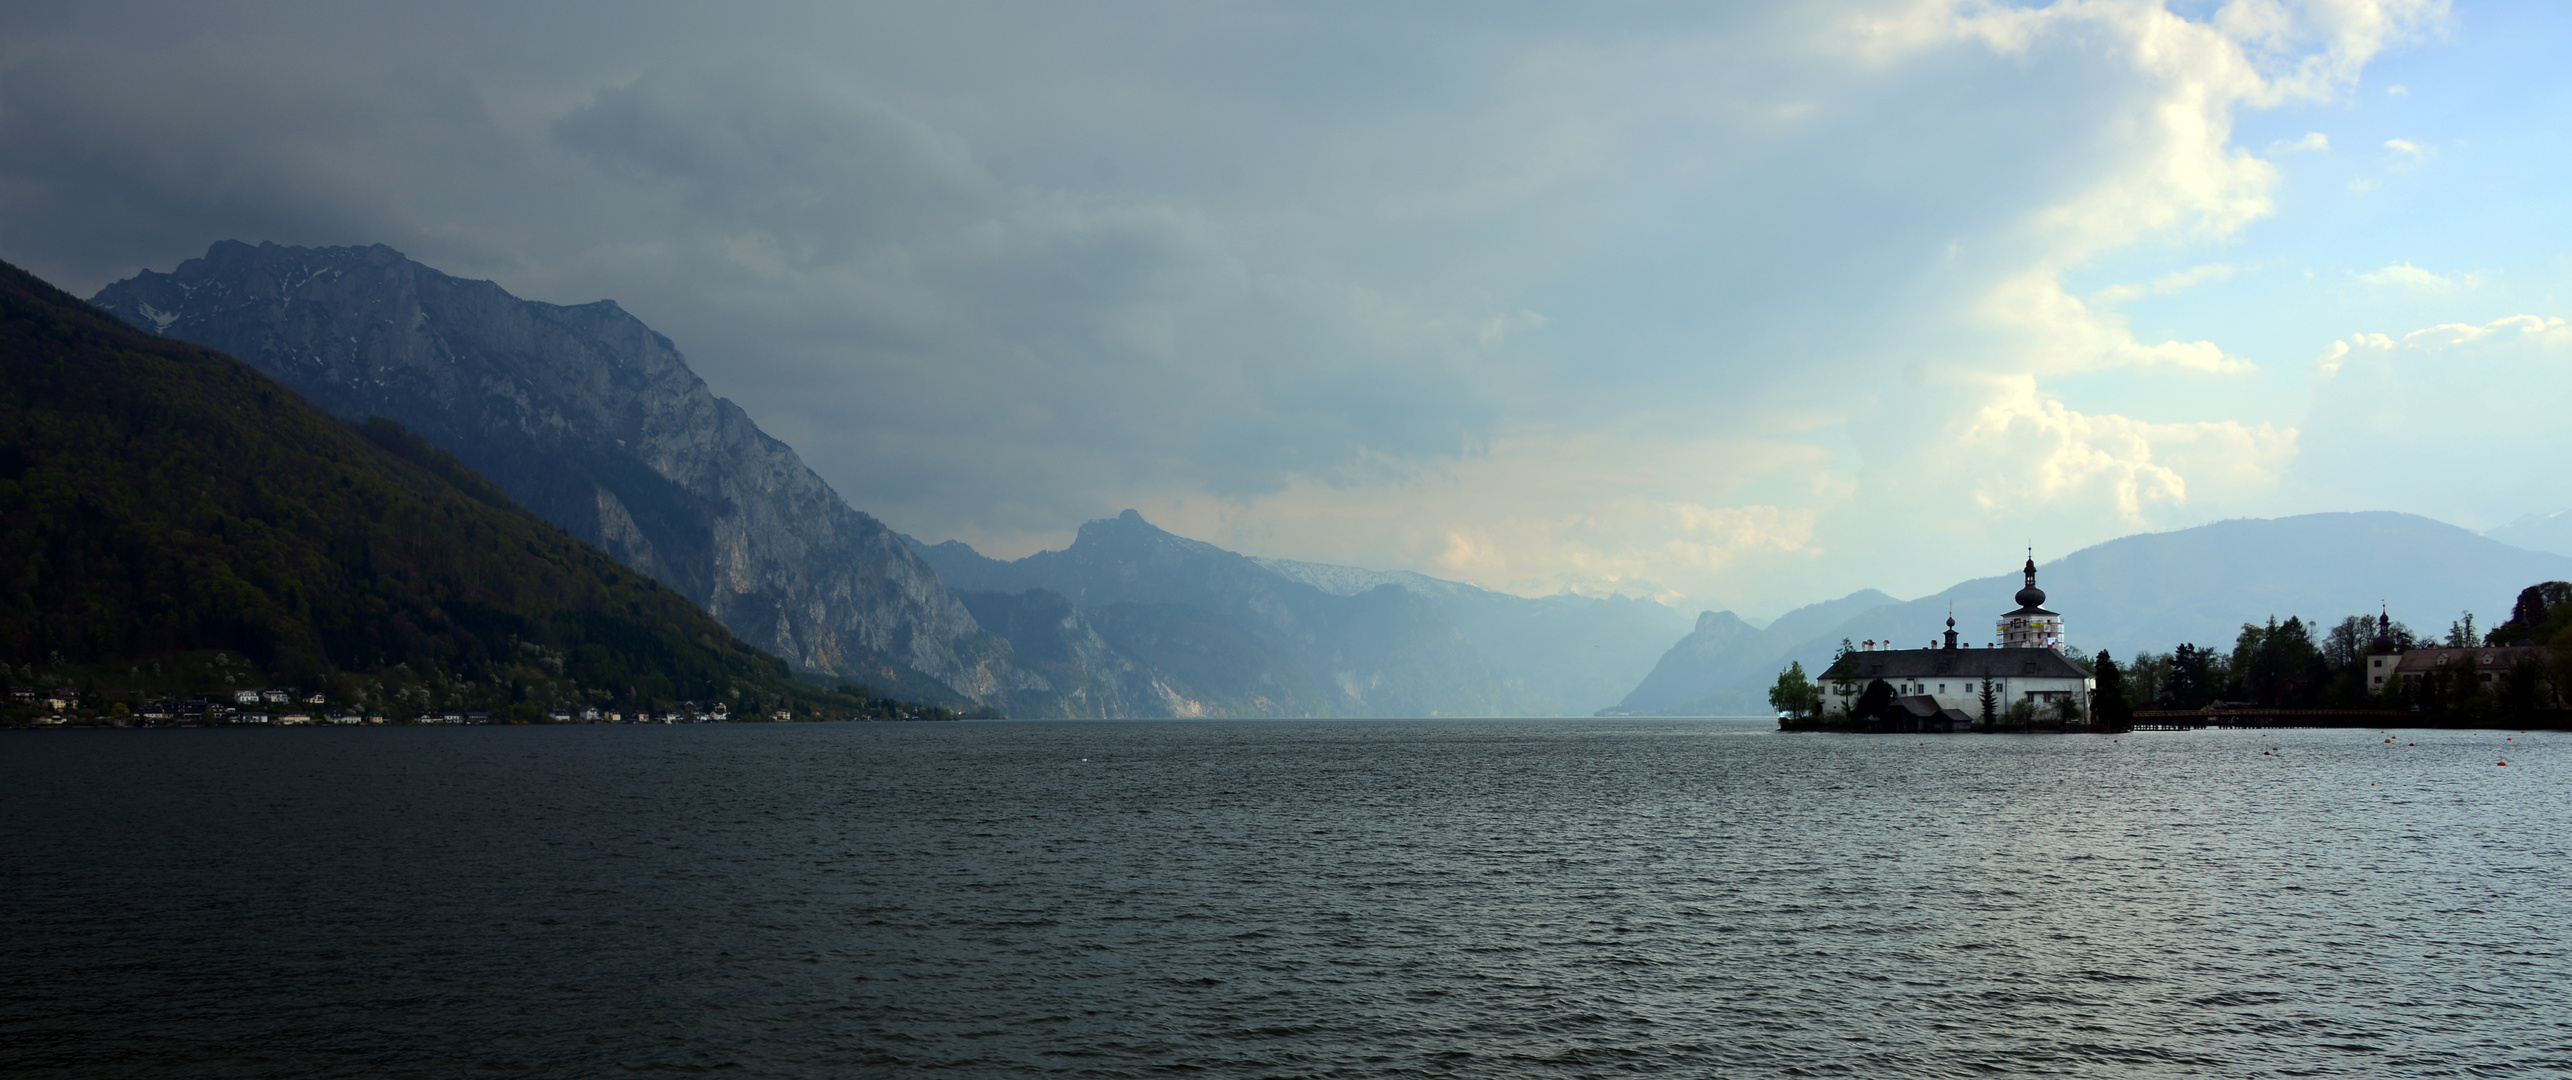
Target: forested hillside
160, 503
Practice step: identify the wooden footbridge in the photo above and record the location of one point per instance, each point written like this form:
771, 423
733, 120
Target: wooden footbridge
2253, 716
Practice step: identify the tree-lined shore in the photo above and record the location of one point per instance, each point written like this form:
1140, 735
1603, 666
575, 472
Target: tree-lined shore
2517, 674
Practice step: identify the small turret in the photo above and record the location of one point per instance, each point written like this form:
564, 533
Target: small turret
2031, 596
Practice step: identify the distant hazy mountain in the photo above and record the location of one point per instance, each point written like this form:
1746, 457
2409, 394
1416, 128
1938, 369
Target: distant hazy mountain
1289, 648
1560, 655
2550, 533
2199, 585
587, 417
1700, 675
1226, 634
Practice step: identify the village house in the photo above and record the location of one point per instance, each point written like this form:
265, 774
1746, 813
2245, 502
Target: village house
2490, 662
2385, 662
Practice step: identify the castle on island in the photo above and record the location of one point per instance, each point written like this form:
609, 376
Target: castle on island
1940, 688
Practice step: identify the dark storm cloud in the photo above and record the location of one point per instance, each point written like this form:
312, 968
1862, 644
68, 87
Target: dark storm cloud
919, 325
903, 282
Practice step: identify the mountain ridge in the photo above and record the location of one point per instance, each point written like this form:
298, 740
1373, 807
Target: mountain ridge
595, 422
160, 501
1557, 655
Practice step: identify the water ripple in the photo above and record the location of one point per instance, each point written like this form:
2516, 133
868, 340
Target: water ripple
1353, 899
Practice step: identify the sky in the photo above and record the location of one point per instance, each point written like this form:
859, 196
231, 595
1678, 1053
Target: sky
1736, 305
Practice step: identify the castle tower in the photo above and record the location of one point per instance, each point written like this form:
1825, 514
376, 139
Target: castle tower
2031, 626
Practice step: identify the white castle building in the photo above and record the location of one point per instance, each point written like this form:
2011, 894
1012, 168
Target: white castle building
1940, 689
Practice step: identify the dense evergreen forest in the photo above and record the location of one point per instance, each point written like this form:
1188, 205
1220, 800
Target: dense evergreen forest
173, 522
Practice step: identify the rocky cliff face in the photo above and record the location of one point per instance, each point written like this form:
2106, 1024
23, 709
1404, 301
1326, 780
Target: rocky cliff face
595, 422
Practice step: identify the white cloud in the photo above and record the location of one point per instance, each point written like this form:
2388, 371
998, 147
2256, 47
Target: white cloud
2184, 179
2063, 334
2405, 275
2543, 330
2311, 142
2412, 152
2167, 284
2397, 90
2039, 453
2331, 360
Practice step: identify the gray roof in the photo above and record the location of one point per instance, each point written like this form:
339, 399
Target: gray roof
2429, 658
1923, 707
2019, 663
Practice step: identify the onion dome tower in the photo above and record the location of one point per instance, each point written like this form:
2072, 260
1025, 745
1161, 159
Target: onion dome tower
2031, 626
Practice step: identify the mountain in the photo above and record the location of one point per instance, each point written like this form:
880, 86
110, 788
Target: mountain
2157, 590
1558, 655
590, 419
2549, 533
1091, 676
1255, 642
164, 505
1231, 634
1700, 674
1706, 660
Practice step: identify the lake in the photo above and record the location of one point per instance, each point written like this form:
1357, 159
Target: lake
1496, 898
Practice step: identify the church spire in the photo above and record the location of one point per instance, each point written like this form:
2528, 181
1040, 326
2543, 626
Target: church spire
2031, 596
2031, 626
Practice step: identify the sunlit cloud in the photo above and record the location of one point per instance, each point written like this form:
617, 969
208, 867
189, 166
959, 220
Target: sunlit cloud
2407, 276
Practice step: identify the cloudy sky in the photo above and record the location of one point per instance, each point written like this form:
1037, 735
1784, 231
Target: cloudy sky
1738, 306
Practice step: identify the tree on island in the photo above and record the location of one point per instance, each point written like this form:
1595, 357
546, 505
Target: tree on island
1990, 701
2111, 710
1872, 703
1795, 697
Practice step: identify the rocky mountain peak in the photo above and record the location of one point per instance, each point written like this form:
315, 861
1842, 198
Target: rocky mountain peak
594, 421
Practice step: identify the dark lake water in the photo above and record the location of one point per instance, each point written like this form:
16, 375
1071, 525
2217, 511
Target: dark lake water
1358, 899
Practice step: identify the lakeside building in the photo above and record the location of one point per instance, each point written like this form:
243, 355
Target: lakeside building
2385, 661
1940, 688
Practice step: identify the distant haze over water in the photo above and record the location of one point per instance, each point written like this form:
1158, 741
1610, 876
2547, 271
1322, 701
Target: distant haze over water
1350, 898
